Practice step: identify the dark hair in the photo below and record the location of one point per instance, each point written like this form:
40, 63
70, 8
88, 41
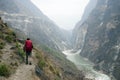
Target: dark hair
28, 38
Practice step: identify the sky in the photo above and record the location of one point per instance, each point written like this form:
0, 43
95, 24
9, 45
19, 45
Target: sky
65, 13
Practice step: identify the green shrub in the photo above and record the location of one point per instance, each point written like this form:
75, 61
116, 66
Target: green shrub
17, 45
11, 33
1, 35
41, 64
8, 39
2, 44
57, 78
38, 55
41, 60
4, 70
1, 47
20, 50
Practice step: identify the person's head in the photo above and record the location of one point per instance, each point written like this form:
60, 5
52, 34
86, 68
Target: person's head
28, 38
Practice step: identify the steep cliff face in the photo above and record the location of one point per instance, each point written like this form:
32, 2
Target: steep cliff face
79, 36
102, 41
80, 29
26, 18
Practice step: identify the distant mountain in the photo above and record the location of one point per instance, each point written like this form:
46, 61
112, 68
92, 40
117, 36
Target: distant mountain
102, 39
25, 17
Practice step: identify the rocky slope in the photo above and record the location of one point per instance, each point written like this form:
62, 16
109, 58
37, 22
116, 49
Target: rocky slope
25, 17
102, 40
46, 63
11, 55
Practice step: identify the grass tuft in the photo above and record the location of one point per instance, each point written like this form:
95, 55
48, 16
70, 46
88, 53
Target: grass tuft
4, 70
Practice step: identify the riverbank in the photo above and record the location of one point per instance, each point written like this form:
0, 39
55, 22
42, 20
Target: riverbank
85, 65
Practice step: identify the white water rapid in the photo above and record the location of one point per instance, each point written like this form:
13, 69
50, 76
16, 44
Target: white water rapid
85, 65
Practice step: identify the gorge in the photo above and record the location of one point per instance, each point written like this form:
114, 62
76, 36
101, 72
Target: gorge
95, 37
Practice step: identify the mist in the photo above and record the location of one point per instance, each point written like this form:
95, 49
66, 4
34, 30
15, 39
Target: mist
65, 13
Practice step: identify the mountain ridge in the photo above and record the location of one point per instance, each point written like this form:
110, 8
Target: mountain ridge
28, 18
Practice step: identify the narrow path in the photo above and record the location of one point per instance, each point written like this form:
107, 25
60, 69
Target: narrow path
25, 72
7, 52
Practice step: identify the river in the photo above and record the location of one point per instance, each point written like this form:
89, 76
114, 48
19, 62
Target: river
85, 65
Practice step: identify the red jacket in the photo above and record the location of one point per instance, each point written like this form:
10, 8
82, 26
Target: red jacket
28, 46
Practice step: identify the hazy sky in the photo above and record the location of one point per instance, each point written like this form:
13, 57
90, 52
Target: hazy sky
65, 13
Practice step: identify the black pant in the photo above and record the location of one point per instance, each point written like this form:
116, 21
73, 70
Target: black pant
27, 54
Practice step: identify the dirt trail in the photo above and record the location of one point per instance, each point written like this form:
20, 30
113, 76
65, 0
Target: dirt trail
7, 52
25, 72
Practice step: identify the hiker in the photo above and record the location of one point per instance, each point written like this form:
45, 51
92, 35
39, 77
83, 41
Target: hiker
28, 49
